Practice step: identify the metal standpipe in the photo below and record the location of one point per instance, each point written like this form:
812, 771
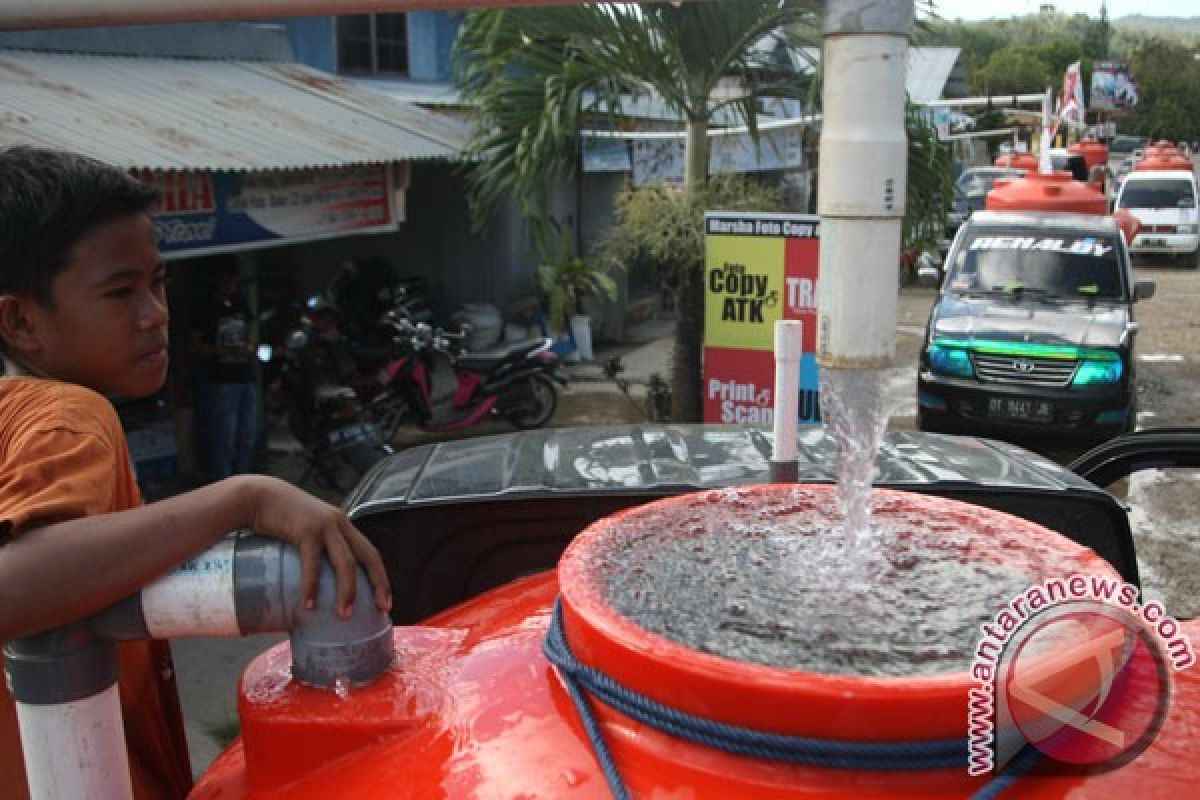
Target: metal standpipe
863, 178
64, 681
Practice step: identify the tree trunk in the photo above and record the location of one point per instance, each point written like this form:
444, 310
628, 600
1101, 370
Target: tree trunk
686, 377
695, 160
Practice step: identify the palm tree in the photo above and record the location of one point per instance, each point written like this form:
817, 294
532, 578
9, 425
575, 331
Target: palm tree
530, 71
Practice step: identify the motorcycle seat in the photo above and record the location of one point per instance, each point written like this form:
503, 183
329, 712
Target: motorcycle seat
485, 360
329, 394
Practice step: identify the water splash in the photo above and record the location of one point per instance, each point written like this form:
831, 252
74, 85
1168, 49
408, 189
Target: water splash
855, 408
741, 582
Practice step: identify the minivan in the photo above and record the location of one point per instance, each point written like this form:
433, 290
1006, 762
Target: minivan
1033, 329
1165, 203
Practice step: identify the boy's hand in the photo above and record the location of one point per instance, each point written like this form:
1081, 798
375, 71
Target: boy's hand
313, 527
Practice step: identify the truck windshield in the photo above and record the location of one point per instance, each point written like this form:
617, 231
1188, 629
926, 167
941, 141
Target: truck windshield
1050, 264
1161, 193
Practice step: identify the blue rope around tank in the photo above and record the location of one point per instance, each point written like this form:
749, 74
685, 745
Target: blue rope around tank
582, 681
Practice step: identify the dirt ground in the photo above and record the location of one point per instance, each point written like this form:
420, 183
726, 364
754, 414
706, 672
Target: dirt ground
1163, 510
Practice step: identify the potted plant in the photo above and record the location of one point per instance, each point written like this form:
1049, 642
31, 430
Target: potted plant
564, 279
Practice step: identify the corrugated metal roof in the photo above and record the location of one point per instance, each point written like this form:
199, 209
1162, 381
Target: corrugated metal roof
160, 113
928, 70
426, 94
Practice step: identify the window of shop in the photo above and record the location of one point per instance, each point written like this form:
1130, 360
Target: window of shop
372, 44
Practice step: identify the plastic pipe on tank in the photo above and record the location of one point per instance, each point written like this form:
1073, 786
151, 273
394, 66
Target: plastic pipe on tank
1045, 165
863, 179
789, 347
64, 681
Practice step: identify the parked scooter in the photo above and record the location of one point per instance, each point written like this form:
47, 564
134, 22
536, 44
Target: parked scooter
514, 382
323, 413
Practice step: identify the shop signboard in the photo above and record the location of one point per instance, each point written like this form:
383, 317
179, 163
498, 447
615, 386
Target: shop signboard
759, 268
211, 212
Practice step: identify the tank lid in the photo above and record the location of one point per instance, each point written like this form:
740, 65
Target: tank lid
692, 678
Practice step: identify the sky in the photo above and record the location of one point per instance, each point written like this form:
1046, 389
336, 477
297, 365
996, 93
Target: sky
974, 9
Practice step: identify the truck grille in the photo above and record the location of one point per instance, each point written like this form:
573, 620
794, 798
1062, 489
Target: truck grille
1054, 372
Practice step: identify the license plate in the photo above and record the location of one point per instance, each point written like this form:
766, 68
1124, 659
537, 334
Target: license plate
351, 434
1152, 242
1019, 409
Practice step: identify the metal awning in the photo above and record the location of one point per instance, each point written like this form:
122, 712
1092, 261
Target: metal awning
180, 114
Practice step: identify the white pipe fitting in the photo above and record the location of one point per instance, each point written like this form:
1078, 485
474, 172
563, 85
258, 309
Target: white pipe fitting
789, 349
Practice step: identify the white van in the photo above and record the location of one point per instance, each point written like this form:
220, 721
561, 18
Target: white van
1165, 203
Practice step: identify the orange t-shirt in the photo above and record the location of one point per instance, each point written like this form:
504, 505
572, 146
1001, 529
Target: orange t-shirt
63, 455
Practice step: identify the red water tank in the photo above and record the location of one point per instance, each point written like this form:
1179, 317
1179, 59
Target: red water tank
1055, 191
1024, 161
473, 708
1094, 153
1163, 157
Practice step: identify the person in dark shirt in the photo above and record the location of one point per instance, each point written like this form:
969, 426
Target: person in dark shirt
221, 336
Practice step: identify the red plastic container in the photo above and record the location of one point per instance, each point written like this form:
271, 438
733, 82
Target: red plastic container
1163, 159
1023, 161
1055, 191
1094, 153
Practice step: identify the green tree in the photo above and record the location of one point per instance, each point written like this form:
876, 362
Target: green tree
1168, 79
530, 72
1016, 69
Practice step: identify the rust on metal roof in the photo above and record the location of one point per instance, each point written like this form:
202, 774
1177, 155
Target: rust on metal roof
185, 114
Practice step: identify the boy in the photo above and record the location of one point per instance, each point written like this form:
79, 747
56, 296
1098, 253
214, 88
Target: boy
83, 314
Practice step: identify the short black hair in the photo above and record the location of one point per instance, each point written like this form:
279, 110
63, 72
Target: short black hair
49, 200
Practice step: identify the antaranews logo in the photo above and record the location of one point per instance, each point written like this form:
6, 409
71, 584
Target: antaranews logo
1076, 668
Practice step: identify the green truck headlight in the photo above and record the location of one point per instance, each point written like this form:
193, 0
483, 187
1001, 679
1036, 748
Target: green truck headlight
950, 361
1092, 373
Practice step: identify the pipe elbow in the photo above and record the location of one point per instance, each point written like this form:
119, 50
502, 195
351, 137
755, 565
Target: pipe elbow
325, 647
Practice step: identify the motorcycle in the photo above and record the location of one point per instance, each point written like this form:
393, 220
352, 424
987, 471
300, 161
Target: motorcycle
325, 416
514, 382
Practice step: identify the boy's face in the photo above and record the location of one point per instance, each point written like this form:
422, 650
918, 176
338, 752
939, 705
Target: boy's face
107, 328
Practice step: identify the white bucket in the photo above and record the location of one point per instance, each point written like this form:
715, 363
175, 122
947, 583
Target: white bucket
581, 329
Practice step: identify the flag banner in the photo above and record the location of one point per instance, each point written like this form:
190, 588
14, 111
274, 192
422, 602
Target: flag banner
1074, 106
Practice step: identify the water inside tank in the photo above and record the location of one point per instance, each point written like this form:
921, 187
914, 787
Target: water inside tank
767, 578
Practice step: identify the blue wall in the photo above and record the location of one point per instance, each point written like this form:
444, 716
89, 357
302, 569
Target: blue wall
312, 42
430, 39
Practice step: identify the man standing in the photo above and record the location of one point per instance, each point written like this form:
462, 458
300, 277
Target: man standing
221, 335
